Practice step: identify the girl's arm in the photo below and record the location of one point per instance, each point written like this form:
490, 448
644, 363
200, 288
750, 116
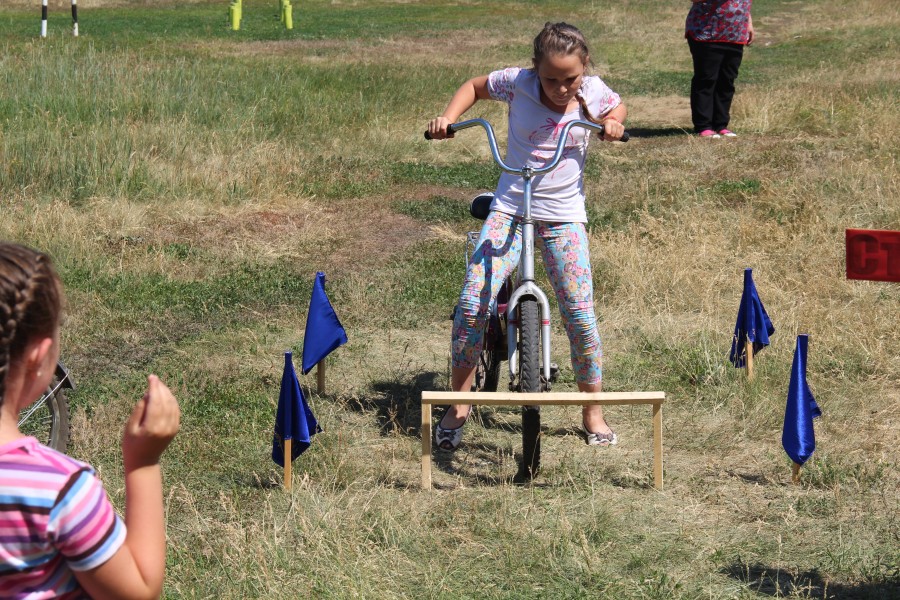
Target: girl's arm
137, 569
750, 31
614, 123
465, 98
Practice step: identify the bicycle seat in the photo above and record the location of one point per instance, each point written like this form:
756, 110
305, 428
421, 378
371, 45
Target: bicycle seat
481, 205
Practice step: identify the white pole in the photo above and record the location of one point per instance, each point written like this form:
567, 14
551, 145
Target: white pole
75, 18
44, 19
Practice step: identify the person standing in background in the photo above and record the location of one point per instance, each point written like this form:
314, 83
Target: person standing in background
716, 31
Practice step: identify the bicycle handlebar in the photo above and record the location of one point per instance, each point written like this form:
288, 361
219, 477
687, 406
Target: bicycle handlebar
495, 152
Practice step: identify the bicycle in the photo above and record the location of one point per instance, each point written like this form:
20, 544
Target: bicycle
47, 419
526, 314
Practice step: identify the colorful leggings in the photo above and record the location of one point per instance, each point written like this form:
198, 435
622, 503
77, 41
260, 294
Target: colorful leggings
564, 247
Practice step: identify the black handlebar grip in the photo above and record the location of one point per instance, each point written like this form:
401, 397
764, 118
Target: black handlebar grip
625, 137
450, 132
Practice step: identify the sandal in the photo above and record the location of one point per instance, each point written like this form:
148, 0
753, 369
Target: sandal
449, 439
600, 439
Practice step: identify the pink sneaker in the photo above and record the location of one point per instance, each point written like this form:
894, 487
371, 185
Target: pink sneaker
727, 133
709, 133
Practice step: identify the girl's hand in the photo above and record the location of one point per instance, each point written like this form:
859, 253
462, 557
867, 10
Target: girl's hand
153, 423
612, 130
437, 128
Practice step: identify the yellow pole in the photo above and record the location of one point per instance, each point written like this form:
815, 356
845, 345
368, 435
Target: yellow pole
748, 345
287, 464
795, 473
234, 16
320, 377
288, 16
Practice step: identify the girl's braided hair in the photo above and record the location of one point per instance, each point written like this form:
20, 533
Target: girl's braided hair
30, 302
562, 39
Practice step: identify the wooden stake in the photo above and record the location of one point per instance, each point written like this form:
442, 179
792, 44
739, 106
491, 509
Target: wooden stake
426, 446
748, 347
287, 464
795, 473
320, 377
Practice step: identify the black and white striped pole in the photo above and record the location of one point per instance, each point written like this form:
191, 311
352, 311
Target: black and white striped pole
44, 18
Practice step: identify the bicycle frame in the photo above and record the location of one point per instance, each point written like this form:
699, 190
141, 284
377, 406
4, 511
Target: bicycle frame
526, 285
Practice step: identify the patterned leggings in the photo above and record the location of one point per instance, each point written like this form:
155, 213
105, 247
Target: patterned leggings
564, 247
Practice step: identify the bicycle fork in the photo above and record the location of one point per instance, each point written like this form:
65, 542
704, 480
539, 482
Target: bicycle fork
531, 416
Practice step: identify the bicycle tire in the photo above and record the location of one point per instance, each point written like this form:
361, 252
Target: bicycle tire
48, 418
530, 381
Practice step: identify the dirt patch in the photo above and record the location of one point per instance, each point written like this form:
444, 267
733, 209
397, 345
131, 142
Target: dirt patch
669, 111
346, 236
453, 48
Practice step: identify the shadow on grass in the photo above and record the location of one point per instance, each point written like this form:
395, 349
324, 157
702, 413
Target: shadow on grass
655, 132
480, 463
774, 582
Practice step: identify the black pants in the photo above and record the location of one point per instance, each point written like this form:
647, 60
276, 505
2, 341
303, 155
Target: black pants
712, 88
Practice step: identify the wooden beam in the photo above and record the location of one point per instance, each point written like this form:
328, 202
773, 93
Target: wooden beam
548, 398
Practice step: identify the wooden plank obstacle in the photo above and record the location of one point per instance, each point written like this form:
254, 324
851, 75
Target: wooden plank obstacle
655, 399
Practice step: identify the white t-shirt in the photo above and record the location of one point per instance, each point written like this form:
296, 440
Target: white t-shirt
534, 132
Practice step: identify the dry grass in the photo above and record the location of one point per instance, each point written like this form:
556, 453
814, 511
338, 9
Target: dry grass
676, 222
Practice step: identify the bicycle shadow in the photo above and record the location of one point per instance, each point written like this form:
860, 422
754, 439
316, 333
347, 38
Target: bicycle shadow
772, 581
398, 403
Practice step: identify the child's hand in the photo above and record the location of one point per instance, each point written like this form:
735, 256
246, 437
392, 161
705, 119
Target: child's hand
612, 130
152, 425
437, 128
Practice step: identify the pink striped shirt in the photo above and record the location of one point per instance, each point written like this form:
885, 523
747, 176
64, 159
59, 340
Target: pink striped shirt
55, 519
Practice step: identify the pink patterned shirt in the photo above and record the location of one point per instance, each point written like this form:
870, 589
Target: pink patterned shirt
534, 132
719, 21
55, 518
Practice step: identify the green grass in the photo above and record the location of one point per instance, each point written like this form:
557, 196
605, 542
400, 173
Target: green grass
190, 180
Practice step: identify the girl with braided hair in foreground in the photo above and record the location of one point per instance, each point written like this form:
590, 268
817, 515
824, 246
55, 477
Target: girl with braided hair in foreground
61, 536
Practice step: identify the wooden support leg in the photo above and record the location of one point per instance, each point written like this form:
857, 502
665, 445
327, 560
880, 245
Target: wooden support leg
426, 446
288, 479
657, 447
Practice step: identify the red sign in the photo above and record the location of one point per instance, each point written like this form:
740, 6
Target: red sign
873, 255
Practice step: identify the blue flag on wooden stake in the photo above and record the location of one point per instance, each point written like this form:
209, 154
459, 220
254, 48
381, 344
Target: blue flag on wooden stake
324, 332
753, 323
294, 419
797, 437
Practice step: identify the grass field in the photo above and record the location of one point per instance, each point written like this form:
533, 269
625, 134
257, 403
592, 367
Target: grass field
190, 180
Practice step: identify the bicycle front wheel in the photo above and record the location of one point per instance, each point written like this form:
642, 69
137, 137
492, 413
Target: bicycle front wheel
530, 381
48, 418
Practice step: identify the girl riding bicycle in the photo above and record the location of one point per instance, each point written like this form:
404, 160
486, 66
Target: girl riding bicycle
555, 91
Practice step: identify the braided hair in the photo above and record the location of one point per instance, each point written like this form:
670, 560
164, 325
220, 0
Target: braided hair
30, 302
562, 39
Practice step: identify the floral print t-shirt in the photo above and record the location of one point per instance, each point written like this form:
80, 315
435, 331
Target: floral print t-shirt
534, 132
719, 21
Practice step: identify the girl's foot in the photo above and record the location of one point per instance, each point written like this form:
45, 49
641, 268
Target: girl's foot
600, 439
727, 133
448, 438
709, 133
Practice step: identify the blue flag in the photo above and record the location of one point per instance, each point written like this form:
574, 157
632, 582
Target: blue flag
753, 323
324, 332
797, 437
294, 420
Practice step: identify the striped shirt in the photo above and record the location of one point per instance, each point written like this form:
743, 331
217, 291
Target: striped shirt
55, 518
